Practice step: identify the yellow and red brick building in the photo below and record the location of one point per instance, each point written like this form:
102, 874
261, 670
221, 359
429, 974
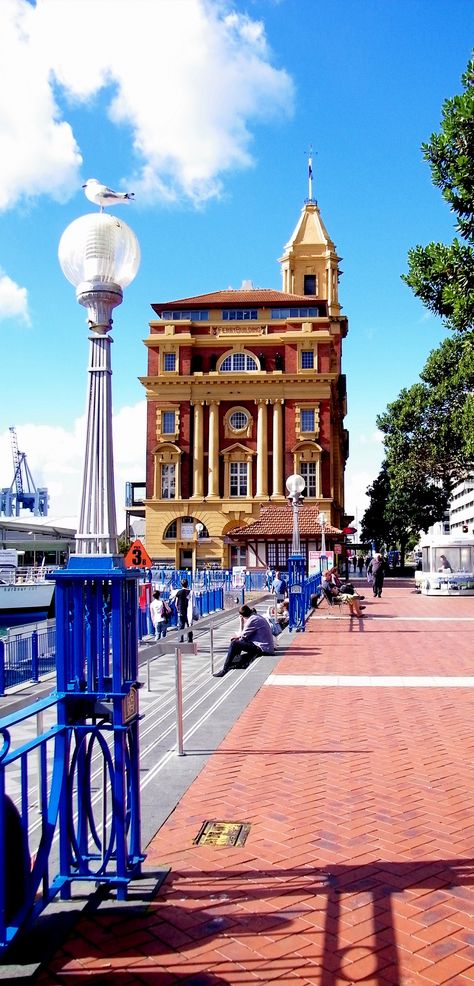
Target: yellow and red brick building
244, 387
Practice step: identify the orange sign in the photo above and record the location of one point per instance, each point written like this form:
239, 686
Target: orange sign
137, 556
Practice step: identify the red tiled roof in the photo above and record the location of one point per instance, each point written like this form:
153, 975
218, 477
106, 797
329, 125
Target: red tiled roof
278, 522
262, 297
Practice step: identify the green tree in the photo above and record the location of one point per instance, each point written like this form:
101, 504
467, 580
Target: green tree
429, 429
374, 524
398, 511
443, 276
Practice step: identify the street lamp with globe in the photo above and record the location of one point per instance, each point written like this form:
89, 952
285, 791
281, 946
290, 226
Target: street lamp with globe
295, 485
96, 595
198, 531
323, 560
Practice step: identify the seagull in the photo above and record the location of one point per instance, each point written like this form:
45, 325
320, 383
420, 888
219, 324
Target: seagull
99, 194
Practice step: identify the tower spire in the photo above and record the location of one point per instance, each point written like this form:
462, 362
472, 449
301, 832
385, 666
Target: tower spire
310, 198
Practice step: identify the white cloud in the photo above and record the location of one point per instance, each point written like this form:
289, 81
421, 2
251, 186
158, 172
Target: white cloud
38, 152
13, 300
186, 78
55, 458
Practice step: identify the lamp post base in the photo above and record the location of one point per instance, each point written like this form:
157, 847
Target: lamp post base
296, 608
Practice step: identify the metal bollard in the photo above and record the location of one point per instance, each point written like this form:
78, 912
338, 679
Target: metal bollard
211, 631
179, 704
189, 648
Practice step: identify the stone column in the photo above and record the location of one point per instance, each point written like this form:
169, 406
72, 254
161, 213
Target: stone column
213, 487
262, 449
278, 448
198, 451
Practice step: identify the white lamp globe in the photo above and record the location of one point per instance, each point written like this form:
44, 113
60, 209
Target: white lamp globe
295, 484
99, 249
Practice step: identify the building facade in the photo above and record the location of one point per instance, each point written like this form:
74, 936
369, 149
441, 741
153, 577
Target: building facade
244, 387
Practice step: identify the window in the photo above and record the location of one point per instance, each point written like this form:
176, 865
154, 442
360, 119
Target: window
197, 316
309, 284
238, 479
282, 548
308, 472
307, 359
271, 554
238, 363
169, 362
307, 419
168, 423
238, 555
171, 532
239, 314
238, 420
168, 481
298, 312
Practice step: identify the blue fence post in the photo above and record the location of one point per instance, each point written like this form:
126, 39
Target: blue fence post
2, 668
34, 656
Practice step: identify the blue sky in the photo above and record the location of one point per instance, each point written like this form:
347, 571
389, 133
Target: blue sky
207, 110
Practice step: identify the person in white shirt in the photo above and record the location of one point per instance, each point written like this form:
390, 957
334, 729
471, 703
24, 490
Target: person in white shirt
158, 615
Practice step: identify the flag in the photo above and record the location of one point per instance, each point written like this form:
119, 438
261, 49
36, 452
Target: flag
310, 169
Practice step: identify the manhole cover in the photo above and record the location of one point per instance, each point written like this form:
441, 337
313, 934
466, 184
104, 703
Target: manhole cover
213, 833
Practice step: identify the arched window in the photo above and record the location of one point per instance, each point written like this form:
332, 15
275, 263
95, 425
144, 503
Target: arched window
171, 531
238, 363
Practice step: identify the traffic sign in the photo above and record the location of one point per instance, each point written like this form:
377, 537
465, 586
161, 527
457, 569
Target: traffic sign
137, 556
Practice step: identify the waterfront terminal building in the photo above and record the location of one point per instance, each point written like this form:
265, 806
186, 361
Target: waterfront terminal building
244, 387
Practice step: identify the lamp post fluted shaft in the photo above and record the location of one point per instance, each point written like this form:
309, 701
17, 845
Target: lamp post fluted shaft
97, 530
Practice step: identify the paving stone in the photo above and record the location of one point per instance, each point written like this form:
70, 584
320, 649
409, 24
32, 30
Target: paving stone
358, 866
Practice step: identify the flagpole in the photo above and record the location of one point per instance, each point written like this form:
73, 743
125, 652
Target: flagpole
310, 177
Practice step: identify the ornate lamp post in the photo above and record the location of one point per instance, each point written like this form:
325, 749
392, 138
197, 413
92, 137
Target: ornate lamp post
100, 256
295, 485
96, 597
198, 531
323, 561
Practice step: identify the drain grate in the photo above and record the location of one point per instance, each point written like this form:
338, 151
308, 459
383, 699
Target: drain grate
215, 833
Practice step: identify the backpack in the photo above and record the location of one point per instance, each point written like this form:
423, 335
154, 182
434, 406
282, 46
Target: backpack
166, 610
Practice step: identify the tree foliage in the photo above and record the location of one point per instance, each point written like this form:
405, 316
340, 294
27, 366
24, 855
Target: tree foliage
443, 276
429, 429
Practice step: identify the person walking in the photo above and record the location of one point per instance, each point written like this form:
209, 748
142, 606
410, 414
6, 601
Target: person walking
360, 563
182, 606
158, 613
255, 639
378, 573
279, 585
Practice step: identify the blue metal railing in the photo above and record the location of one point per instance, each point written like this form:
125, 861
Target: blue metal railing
26, 656
206, 600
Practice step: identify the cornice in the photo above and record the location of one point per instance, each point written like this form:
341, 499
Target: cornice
189, 389
262, 337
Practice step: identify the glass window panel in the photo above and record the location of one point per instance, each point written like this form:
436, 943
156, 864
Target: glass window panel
238, 362
168, 422
168, 481
238, 478
169, 363
308, 472
307, 419
271, 554
238, 420
282, 553
170, 533
307, 359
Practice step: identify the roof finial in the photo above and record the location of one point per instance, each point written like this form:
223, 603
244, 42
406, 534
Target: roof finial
310, 198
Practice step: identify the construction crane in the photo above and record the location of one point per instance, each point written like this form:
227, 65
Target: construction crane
22, 493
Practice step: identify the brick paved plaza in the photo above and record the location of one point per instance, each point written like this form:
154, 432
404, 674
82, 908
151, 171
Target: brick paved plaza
354, 766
